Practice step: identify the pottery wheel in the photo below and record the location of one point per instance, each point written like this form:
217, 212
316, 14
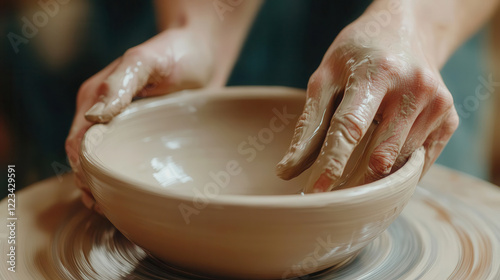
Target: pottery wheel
449, 230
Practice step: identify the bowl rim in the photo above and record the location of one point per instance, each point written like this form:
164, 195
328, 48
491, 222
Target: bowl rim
395, 182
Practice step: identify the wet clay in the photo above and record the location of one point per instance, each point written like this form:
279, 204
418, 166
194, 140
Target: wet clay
333, 141
449, 230
190, 178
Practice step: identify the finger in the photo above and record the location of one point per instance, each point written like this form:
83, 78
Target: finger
87, 96
390, 136
433, 143
417, 135
349, 124
90, 203
88, 200
310, 129
432, 129
137, 69
87, 197
438, 139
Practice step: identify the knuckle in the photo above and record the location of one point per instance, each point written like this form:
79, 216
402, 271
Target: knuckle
315, 83
451, 123
85, 90
442, 102
383, 158
302, 121
382, 69
334, 168
135, 53
454, 120
156, 75
390, 64
311, 109
350, 125
424, 82
85, 86
427, 86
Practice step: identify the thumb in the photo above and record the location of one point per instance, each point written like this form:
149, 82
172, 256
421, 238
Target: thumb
138, 68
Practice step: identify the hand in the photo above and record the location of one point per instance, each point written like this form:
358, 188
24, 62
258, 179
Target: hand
173, 60
391, 81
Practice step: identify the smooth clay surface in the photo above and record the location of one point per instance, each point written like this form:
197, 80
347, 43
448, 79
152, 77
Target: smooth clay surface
185, 141
190, 178
449, 230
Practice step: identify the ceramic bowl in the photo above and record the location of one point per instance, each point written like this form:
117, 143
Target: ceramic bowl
190, 177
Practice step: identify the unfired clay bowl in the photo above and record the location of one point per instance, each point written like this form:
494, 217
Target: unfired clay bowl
190, 177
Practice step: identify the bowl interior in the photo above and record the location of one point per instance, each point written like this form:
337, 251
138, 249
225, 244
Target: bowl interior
190, 141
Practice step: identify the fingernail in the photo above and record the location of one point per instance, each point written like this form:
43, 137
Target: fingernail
95, 114
283, 167
96, 109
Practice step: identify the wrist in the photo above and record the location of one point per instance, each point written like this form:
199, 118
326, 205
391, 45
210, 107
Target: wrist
436, 28
414, 24
193, 15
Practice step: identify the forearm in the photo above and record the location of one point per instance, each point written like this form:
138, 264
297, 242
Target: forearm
439, 25
220, 24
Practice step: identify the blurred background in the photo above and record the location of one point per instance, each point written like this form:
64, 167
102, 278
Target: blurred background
40, 76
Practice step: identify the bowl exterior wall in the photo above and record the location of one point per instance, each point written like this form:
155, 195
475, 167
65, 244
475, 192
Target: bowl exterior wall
246, 237
240, 242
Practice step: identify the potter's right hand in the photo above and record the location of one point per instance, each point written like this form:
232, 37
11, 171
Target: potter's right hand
171, 61
389, 79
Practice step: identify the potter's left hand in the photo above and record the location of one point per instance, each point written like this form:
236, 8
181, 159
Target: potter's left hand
196, 49
170, 61
389, 78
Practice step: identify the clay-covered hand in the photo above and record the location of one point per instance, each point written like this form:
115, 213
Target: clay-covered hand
172, 60
389, 80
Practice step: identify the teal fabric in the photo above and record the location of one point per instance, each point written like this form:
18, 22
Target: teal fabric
466, 150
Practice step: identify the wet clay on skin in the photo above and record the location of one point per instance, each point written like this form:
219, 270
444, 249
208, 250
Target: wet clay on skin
333, 165
173, 61
314, 129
